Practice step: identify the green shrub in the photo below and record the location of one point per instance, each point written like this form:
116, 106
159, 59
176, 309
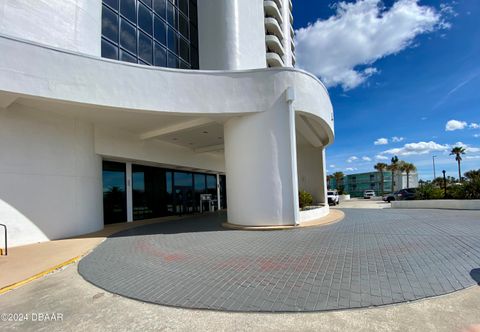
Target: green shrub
472, 188
305, 199
429, 191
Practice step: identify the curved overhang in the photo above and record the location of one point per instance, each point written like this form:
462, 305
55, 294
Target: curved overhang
33, 71
271, 10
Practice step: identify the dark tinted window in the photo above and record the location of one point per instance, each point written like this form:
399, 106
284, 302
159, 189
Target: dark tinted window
128, 39
109, 50
145, 19
111, 3
172, 40
136, 31
128, 10
109, 24
172, 61
160, 56
160, 31
160, 7
145, 48
127, 57
171, 15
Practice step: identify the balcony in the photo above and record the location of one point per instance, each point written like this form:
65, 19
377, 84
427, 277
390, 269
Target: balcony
278, 2
273, 28
274, 44
271, 10
274, 60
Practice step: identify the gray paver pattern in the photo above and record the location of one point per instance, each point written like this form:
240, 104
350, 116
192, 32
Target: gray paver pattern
371, 258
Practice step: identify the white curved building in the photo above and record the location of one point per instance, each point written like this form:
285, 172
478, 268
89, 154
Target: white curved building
122, 110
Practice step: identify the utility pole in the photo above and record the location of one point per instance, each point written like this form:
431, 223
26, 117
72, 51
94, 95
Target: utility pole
434, 173
444, 184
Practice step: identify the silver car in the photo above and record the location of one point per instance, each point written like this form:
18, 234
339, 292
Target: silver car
367, 194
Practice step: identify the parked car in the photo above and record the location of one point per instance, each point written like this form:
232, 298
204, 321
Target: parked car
389, 197
333, 198
367, 194
406, 194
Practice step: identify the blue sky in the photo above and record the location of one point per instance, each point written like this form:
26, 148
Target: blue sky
398, 73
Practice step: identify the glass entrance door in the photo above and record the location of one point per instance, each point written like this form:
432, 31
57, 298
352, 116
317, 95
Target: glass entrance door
114, 192
183, 192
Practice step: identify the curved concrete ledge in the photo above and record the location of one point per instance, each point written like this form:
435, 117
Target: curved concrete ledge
449, 204
37, 71
313, 214
333, 217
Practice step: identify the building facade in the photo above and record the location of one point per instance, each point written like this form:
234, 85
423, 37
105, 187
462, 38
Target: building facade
356, 184
120, 110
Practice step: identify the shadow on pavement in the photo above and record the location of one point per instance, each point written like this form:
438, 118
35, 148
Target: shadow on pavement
475, 274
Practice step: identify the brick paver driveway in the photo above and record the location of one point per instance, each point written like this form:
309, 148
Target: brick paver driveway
372, 257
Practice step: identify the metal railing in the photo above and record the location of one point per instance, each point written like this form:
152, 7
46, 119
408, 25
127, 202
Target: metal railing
6, 246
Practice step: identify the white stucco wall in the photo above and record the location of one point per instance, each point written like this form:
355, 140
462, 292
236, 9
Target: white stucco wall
69, 24
50, 177
231, 34
311, 177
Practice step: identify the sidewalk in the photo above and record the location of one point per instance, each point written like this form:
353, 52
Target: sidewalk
25, 263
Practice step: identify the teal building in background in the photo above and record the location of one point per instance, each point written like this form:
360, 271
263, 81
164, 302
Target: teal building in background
356, 184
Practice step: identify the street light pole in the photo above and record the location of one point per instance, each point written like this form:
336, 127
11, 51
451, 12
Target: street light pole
434, 174
444, 184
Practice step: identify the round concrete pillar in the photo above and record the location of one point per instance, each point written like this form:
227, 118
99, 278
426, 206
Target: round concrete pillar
258, 168
231, 34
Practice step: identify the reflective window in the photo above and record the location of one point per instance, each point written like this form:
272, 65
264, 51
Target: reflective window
139, 31
109, 51
114, 192
172, 40
128, 38
160, 8
127, 57
160, 31
160, 56
145, 19
112, 3
171, 15
145, 48
110, 24
128, 10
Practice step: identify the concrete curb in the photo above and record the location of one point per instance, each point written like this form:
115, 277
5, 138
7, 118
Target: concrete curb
39, 275
333, 217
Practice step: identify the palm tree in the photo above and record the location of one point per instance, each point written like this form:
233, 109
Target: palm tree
393, 167
457, 151
407, 168
381, 167
338, 178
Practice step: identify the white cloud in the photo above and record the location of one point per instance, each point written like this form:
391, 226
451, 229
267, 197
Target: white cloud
455, 125
332, 166
342, 48
472, 157
365, 158
417, 148
351, 169
381, 141
352, 159
380, 157
396, 139
474, 125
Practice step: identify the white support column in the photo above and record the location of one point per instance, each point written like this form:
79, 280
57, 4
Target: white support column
258, 162
219, 205
129, 193
290, 98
